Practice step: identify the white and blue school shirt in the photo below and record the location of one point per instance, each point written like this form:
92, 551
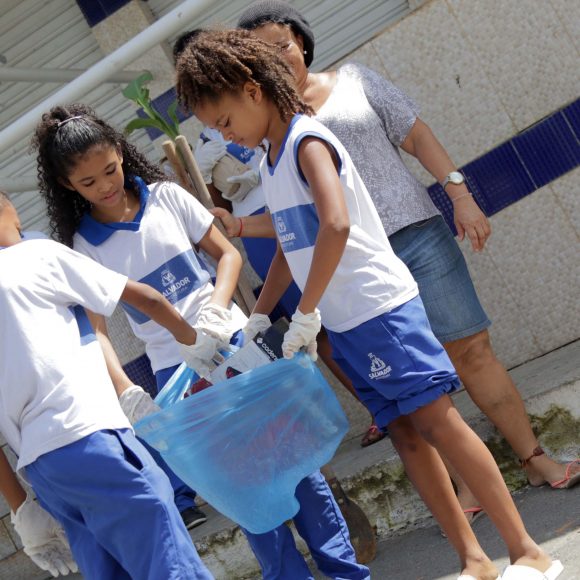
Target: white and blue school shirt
54, 386
156, 249
369, 279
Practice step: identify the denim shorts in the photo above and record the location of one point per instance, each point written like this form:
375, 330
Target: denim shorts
431, 253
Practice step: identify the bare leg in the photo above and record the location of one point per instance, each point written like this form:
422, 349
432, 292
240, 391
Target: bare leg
493, 391
442, 426
427, 472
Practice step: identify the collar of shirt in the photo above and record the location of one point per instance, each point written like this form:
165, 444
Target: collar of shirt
97, 233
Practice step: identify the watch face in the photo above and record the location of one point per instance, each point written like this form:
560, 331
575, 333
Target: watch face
456, 178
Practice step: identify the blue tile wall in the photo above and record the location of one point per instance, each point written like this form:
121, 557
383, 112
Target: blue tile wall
140, 372
516, 168
572, 115
548, 149
95, 11
161, 104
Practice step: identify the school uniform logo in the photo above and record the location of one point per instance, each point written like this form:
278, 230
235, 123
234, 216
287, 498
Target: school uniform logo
379, 369
167, 278
296, 227
175, 279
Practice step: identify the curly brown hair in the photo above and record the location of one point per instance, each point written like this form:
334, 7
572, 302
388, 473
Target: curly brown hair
218, 62
60, 145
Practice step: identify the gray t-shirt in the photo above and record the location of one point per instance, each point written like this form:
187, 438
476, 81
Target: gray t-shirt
371, 117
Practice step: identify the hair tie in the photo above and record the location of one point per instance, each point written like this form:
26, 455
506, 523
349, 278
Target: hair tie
61, 123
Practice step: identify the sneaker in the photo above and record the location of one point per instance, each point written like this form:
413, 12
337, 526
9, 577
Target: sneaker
193, 517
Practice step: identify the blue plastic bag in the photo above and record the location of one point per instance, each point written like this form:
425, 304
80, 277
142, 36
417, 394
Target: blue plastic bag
244, 444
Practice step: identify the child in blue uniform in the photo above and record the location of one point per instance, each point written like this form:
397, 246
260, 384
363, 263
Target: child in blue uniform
109, 203
331, 242
60, 414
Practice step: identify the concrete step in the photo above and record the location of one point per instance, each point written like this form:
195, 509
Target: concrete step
375, 479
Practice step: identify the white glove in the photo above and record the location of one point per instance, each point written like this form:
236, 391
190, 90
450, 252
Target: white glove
302, 333
207, 154
43, 539
217, 322
247, 180
199, 356
137, 404
256, 323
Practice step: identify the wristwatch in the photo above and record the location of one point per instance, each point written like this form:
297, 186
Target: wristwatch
454, 177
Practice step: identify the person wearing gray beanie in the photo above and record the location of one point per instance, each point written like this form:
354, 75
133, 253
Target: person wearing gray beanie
276, 11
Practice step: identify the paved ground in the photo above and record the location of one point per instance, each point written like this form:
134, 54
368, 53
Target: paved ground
552, 518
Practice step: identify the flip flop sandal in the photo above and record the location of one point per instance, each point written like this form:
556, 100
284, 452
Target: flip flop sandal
373, 435
476, 512
566, 482
517, 572
569, 480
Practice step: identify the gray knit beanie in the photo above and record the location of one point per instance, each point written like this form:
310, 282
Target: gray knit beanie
276, 11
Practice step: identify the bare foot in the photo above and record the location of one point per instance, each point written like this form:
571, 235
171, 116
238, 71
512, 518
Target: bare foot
469, 504
543, 470
482, 570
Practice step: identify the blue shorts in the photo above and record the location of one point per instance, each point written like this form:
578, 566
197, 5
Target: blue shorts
116, 507
395, 362
431, 253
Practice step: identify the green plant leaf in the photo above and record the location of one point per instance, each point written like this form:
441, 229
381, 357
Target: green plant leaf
140, 123
135, 90
172, 112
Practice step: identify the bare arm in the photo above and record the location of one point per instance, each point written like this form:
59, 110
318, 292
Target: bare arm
155, 306
319, 166
249, 226
10, 487
469, 219
229, 265
120, 380
276, 283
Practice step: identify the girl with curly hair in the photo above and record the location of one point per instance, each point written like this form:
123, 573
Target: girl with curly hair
107, 201
332, 243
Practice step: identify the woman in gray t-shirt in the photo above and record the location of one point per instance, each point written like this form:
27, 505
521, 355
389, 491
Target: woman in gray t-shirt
373, 119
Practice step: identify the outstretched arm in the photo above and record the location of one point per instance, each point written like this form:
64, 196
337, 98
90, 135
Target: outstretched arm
120, 380
151, 302
248, 226
469, 219
229, 265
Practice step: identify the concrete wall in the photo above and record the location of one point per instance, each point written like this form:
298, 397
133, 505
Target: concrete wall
481, 72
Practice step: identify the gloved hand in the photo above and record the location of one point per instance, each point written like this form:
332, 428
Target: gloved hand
207, 154
256, 323
199, 356
217, 322
302, 332
43, 539
247, 181
136, 404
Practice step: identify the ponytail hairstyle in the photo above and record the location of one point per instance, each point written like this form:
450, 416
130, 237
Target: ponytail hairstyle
217, 62
61, 138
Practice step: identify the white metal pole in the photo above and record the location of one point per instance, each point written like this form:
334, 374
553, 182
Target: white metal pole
59, 75
176, 20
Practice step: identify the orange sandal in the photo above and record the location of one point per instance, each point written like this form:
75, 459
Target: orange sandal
373, 435
566, 482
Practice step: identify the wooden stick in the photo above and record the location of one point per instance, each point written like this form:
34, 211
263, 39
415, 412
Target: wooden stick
176, 165
244, 295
